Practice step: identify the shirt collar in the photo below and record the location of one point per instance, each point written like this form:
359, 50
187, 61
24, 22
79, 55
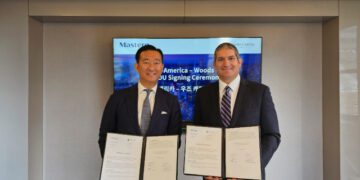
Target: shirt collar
141, 88
233, 84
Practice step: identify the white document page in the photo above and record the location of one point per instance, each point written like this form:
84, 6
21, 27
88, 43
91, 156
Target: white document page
242, 149
122, 157
161, 158
203, 151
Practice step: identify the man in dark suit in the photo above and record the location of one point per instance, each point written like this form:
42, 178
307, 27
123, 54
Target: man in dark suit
236, 102
143, 109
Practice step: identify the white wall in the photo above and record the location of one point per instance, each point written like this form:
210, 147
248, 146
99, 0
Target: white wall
13, 90
78, 80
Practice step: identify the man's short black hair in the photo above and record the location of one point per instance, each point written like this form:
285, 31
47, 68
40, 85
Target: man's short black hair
147, 48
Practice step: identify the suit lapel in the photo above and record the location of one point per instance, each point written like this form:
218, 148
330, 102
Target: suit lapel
238, 102
132, 103
214, 95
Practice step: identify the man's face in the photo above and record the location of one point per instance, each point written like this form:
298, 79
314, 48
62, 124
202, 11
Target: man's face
227, 65
150, 67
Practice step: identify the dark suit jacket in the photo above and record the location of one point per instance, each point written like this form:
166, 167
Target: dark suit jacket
121, 116
253, 107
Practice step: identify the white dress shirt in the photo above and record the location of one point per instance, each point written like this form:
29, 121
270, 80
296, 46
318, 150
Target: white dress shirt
234, 86
141, 98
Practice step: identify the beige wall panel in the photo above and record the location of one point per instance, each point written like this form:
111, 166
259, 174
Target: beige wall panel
35, 100
181, 9
14, 90
127, 8
262, 8
331, 116
349, 88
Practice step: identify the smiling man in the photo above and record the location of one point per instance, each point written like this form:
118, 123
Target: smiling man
143, 109
236, 102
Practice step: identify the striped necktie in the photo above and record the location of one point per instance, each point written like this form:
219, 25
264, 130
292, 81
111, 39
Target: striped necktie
146, 113
225, 111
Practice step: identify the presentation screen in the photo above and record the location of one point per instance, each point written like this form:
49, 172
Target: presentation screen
188, 64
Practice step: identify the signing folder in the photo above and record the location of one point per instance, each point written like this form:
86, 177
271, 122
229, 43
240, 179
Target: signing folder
130, 157
223, 152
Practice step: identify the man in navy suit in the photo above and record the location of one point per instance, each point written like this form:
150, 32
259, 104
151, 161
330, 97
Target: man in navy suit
235, 102
143, 109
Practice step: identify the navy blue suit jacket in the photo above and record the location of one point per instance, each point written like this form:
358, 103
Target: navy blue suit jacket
253, 107
121, 116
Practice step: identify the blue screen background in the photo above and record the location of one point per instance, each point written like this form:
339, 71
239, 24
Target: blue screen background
183, 84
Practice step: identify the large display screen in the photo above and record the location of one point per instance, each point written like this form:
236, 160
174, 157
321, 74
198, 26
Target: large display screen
188, 64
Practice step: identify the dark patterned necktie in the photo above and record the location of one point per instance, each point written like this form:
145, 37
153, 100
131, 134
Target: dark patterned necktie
225, 110
146, 113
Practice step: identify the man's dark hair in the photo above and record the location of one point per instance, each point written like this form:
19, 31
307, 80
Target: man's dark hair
147, 48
